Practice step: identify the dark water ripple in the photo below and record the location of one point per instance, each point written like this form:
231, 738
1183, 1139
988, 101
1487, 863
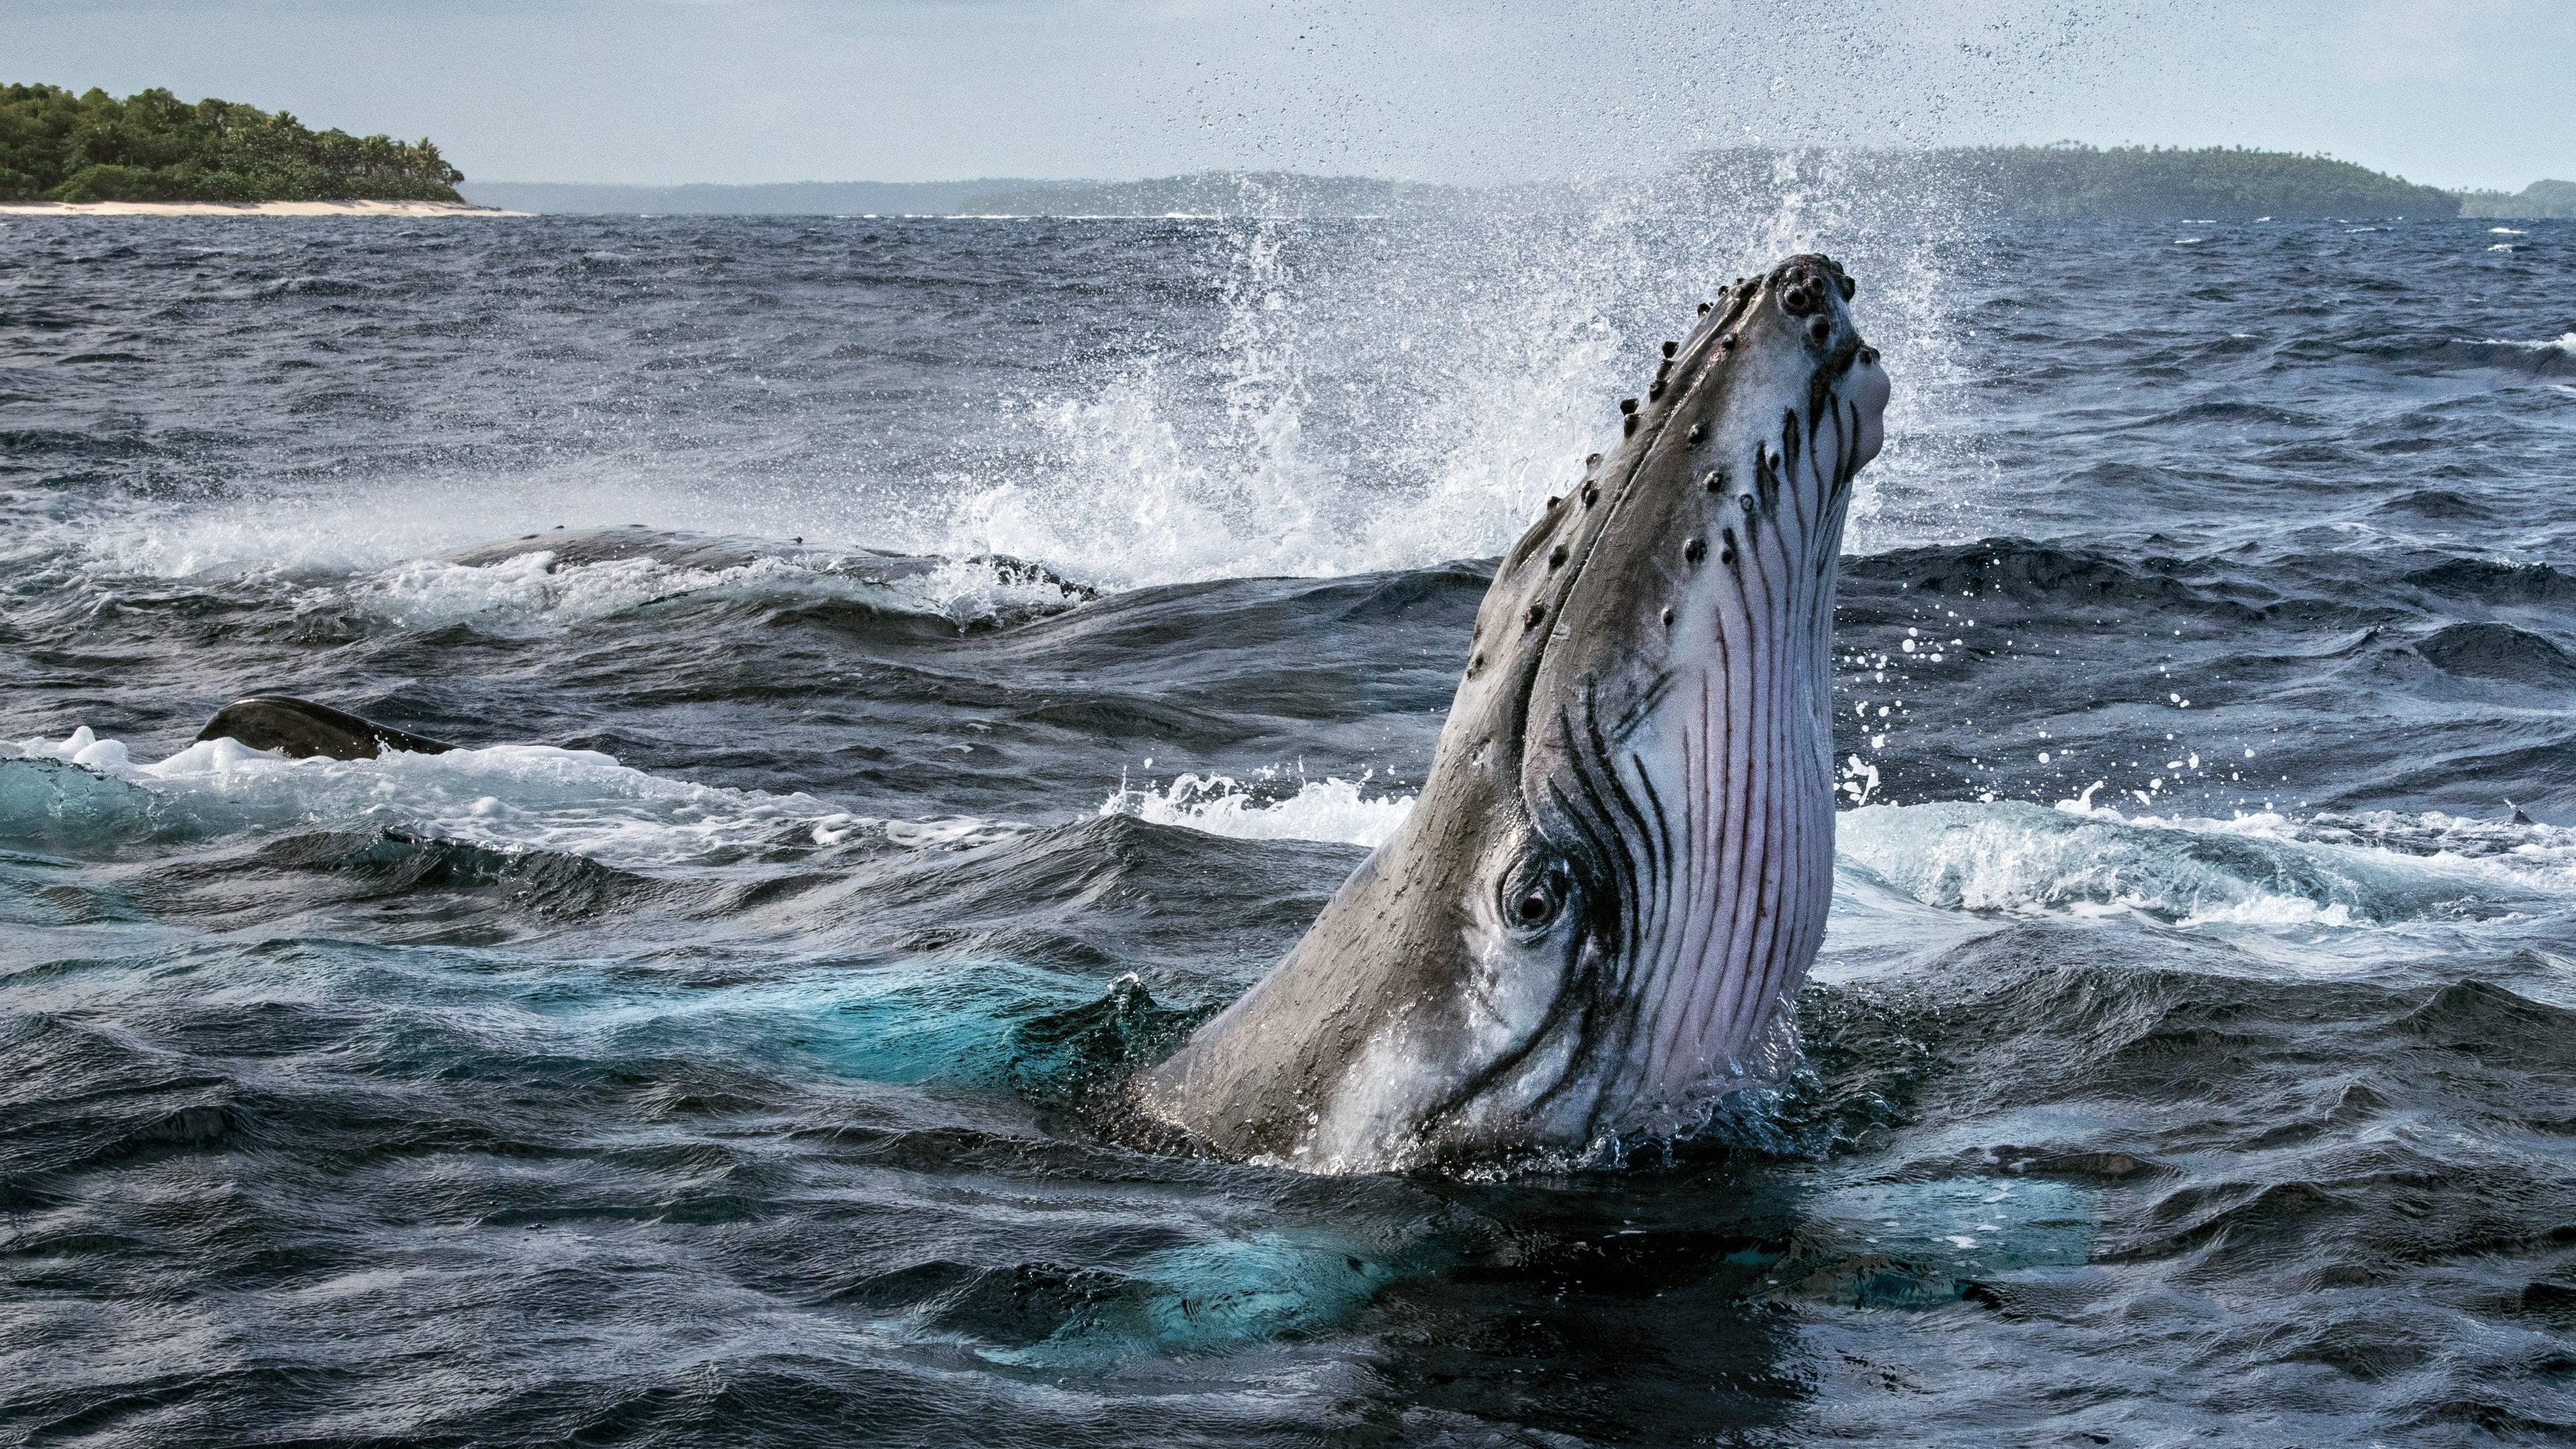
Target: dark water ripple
734, 1089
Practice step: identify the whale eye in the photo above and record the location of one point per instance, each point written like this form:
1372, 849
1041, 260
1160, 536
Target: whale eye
1533, 904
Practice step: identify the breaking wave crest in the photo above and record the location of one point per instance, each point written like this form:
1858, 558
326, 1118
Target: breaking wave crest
1329, 809
2261, 870
532, 590
2021, 859
85, 790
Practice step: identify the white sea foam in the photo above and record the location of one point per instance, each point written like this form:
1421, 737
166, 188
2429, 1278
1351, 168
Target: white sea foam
509, 797
2565, 343
2263, 871
371, 559
1327, 809
532, 589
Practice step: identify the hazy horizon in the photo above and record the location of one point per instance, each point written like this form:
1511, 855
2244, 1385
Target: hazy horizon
775, 92
1121, 180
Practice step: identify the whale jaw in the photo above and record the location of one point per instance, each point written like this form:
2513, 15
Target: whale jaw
1618, 868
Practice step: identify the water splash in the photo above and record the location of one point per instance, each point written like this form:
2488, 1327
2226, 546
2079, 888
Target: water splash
1394, 395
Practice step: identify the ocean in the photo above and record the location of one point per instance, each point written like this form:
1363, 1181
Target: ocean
1032, 623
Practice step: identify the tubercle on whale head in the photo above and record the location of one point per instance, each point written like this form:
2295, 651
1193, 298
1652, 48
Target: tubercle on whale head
1618, 864
1776, 403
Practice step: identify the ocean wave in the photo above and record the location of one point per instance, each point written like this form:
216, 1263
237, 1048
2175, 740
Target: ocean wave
534, 590
2564, 343
2547, 356
2262, 870
1329, 809
85, 789
395, 568
2022, 858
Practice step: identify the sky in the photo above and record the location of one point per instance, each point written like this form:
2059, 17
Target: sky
2447, 92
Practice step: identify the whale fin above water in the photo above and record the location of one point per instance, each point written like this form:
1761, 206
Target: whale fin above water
300, 729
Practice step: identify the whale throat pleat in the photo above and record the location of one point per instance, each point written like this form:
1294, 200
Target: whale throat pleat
1718, 823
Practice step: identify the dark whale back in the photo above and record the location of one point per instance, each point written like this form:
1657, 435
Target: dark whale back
301, 729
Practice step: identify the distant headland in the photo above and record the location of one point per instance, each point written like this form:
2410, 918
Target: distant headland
2540, 201
2137, 182
152, 153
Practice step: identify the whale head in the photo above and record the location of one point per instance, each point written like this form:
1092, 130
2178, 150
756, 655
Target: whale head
1618, 868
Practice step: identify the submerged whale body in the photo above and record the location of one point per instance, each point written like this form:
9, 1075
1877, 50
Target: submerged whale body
1618, 868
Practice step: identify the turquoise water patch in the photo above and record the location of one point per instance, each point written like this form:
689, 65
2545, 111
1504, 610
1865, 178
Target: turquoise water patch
54, 800
1214, 1296
905, 1023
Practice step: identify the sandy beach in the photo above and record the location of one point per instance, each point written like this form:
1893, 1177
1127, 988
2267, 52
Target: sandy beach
250, 208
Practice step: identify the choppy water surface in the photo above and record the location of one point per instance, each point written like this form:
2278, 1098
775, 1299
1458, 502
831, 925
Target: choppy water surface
697, 1057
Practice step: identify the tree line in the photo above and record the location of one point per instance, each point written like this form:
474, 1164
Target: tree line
2164, 181
152, 146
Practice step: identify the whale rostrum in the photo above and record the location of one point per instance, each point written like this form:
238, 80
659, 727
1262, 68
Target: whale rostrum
1618, 867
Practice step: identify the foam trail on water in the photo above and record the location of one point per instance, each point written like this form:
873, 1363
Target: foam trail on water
2263, 872
531, 591
2563, 344
1327, 809
508, 797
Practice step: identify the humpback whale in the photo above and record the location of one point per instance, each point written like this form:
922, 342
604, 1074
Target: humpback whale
1617, 869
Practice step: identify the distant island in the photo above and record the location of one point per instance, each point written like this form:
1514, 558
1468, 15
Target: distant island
2540, 201
152, 147
2133, 182
2157, 183
1224, 193
2137, 182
